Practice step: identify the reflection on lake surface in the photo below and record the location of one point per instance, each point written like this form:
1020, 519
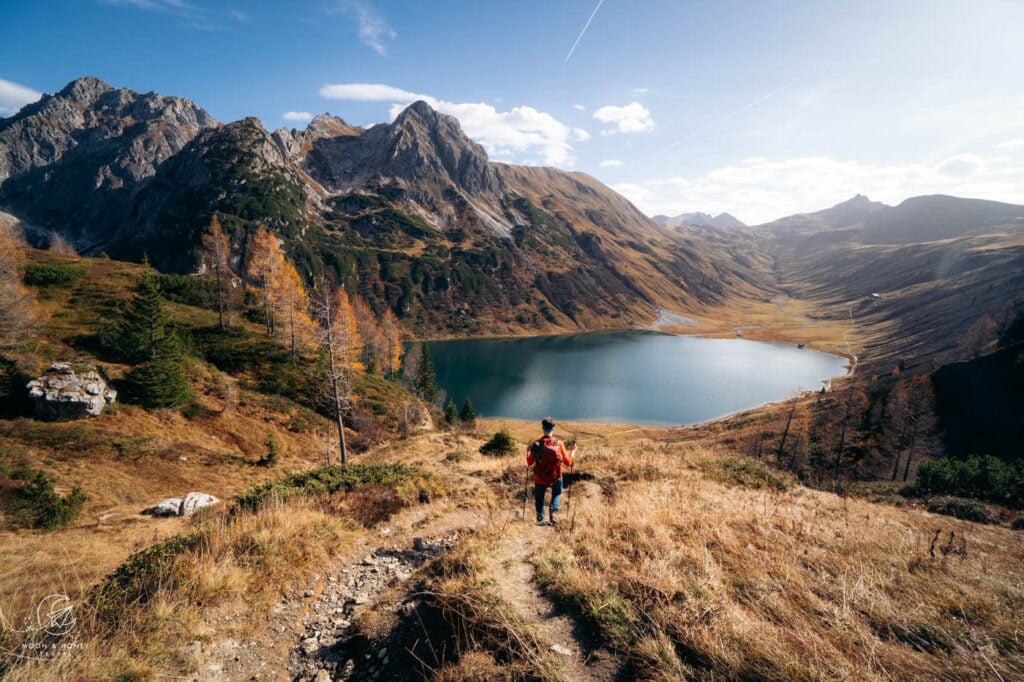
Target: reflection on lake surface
633, 377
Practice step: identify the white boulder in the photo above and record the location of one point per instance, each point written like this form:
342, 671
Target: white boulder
61, 394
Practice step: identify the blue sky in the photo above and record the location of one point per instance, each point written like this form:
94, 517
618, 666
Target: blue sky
759, 108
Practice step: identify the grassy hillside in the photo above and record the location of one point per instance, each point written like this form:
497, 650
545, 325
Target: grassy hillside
673, 561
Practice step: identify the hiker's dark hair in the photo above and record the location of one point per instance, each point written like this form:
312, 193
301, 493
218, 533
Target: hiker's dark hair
548, 424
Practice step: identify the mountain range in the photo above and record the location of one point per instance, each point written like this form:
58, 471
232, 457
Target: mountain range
914, 279
413, 216
699, 220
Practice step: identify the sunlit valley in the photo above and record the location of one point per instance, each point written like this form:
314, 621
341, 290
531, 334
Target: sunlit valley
268, 383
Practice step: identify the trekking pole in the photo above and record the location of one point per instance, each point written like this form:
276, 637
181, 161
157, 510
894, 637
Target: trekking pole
568, 488
526, 491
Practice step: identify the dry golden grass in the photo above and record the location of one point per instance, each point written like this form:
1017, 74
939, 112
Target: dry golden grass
684, 576
241, 556
694, 578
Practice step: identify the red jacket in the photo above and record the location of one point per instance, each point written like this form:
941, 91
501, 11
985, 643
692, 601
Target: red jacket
564, 457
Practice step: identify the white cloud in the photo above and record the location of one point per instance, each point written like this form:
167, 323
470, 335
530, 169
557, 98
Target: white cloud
631, 118
374, 31
611, 163
1011, 145
369, 92
579, 107
961, 165
759, 190
14, 96
521, 134
190, 15
297, 116
636, 92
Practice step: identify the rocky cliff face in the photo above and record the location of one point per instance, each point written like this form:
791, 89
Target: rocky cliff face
72, 161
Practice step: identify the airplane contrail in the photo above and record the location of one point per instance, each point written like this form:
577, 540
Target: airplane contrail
585, 27
735, 113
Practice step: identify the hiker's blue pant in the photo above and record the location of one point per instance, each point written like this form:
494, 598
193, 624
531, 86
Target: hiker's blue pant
556, 497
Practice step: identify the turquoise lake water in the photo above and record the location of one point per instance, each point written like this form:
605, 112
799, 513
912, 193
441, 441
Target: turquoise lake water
631, 377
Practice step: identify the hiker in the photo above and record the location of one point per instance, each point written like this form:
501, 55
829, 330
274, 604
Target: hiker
546, 455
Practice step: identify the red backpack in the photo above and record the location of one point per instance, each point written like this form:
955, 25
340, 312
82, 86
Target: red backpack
546, 464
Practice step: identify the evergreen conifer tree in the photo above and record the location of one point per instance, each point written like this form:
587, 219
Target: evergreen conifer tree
468, 414
142, 327
144, 335
426, 380
451, 413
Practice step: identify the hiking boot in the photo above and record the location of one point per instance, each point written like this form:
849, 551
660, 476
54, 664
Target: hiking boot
554, 519
540, 519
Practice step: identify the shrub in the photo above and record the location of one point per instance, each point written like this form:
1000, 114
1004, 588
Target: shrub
140, 578
42, 507
273, 451
190, 290
741, 471
960, 508
54, 274
1018, 523
499, 445
981, 477
329, 479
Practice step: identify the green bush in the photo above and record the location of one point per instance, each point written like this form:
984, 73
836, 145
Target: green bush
41, 507
981, 477
742, 471
200, 292
273, 451
328, 479
54, 274
960, 508
500, 445
140, 578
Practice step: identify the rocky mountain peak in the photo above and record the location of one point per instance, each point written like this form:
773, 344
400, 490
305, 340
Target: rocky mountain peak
426, 142
326, 125
850, 211
85, 89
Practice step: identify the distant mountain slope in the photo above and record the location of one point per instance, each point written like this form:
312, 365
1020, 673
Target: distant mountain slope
913, 279
411, 214
699, 220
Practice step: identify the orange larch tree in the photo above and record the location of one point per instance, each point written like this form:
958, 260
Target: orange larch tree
18, 313
265, 265
292, 305
338, 339
217, 259
392, 335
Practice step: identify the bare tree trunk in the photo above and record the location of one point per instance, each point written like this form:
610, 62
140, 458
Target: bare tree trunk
910, 455
842, 435
335, 388
785, 433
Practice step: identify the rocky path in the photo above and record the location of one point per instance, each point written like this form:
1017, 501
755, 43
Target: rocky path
308, 634
578, 653
303, 635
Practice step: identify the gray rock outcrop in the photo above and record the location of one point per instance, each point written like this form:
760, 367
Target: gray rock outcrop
193, 502
61, 394
168, 507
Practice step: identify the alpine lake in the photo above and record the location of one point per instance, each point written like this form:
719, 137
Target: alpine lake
632, 377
